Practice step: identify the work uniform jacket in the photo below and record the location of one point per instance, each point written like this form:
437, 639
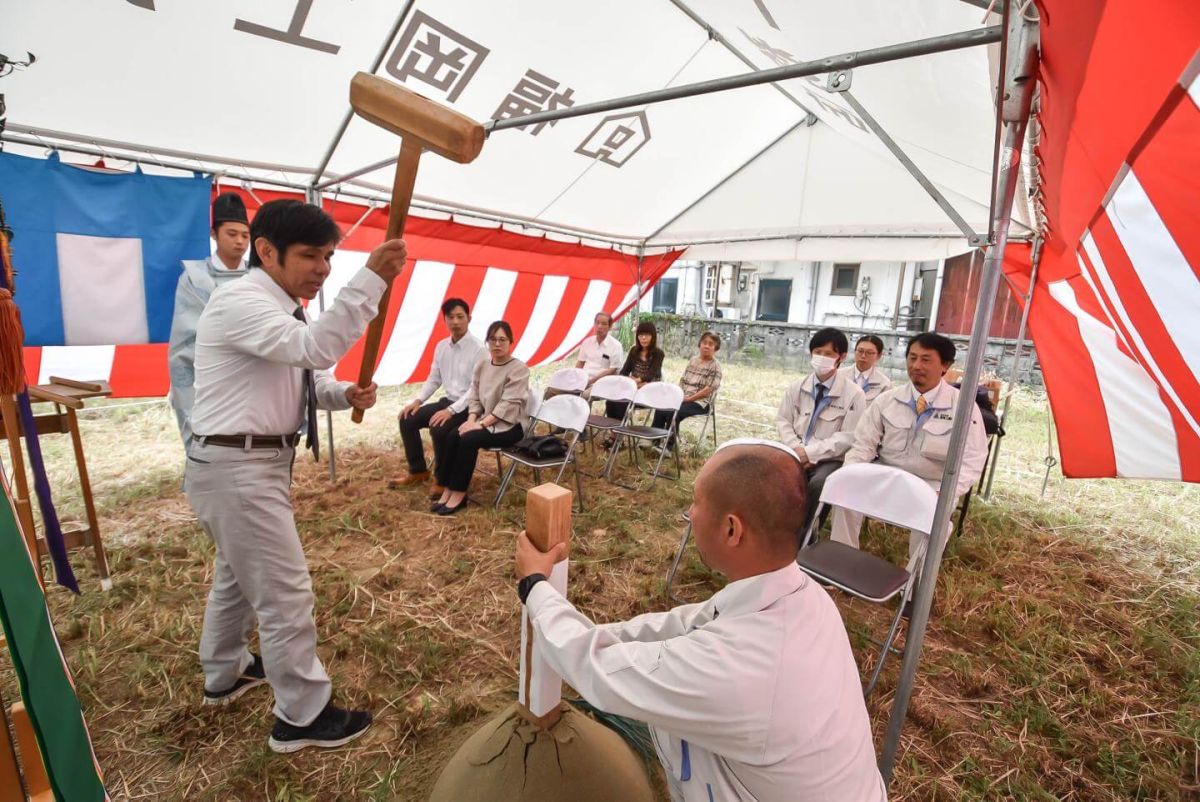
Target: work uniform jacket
195, 287
891, 432
833, 433
873, 383
751, 695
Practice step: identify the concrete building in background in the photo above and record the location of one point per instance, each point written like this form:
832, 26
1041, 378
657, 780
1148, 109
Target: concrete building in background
877, 295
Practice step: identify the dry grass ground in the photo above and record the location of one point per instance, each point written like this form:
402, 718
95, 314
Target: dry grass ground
1062, 661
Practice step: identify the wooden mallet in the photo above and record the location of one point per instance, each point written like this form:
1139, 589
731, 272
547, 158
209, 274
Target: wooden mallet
423, 125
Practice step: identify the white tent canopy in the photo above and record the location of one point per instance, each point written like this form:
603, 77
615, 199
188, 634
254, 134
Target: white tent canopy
744, 173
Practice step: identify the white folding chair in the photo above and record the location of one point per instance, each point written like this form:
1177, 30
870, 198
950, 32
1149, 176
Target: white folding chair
568, 380
566, 412
656, 397
885, 494
621, 389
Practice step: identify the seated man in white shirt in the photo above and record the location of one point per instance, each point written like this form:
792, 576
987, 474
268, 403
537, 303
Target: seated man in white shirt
751, 695
865, 371
454, 361
818, 414
262, 369
909, 427
600, 354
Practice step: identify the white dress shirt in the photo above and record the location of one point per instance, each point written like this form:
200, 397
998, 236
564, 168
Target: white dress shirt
251, 354
752, 695
873, 383
598, 357
453, 368
833, 433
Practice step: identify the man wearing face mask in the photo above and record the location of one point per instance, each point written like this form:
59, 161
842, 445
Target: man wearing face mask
819, 413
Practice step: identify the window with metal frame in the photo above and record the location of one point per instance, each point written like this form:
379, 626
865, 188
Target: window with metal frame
666, 295
845, 279
774, 299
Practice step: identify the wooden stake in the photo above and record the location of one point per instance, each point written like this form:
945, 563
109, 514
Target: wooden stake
547, 523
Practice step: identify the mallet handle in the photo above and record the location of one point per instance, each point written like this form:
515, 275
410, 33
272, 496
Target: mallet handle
402, 192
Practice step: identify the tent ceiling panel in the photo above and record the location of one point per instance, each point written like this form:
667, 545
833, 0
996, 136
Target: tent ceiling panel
843, 190
266, 81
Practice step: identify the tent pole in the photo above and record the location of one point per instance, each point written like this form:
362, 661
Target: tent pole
1018, 352
973, 238
314, 197
842, 61
1021, 37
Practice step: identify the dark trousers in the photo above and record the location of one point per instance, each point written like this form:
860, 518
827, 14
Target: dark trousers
816, 476
689, 409
456, 462
410, 433
616, 409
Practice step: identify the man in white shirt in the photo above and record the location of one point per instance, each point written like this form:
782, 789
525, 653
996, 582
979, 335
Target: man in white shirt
231, 232
818, 414
909, 427
261, 372
601, 354
751, 695
454, 361
864, 372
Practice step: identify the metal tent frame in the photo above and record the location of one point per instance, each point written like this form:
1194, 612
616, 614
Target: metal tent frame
1018, 37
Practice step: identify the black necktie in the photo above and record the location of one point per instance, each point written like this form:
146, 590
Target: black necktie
310, 402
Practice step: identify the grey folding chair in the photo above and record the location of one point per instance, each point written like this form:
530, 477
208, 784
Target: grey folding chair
711, 416
656, 397
566, 412
882, 493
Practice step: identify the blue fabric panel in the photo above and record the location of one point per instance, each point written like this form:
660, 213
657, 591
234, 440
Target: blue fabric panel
43, 197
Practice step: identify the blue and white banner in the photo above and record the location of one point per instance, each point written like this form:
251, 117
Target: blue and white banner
98, 253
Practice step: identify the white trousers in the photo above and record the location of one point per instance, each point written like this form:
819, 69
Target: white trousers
847, 525
243, 500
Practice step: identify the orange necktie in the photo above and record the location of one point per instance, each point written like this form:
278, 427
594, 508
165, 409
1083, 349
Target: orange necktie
922, 405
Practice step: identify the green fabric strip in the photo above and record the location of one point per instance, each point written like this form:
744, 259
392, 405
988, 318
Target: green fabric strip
50, 697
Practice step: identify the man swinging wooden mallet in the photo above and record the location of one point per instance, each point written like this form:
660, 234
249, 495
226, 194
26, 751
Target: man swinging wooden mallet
423, 125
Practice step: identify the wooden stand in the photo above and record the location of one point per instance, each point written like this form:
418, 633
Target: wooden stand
547, 523
67, 396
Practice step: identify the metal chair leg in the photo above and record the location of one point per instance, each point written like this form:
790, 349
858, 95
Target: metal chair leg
505, 480
578, 485
887, 646
683, 541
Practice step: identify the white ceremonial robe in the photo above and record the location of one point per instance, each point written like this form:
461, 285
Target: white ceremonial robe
752, 695
195, 287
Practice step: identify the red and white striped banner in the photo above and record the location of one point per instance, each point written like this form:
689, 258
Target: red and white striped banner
548, 291
1115, 314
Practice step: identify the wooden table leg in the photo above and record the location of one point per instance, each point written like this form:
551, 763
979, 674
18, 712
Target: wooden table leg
89, 505
12, 431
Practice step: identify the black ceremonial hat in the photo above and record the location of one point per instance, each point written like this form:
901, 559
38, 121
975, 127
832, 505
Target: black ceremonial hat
229, 208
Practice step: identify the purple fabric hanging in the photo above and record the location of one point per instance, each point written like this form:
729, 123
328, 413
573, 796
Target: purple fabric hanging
53, 531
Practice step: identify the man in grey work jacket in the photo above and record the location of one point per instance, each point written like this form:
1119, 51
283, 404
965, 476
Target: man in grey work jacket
909, 427
231, 232
261, 372
818, 414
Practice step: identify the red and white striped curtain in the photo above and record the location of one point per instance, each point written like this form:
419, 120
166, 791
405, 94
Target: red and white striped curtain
1115, 314
549, 292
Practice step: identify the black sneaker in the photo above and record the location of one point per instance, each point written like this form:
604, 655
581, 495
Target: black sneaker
252, 677
332, 727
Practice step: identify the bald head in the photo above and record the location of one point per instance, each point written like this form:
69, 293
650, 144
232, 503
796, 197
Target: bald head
762, 486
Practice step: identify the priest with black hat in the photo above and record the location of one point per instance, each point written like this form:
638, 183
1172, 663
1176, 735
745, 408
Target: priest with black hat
231, 231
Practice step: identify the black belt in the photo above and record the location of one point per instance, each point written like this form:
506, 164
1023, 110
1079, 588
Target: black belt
250, 440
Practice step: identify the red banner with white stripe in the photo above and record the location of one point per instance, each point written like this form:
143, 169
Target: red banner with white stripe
1116, 310
548, 291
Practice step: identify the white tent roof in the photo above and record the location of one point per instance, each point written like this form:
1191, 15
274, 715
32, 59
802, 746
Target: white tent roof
739, 166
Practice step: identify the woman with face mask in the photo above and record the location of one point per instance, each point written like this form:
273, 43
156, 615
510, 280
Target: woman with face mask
818, 414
